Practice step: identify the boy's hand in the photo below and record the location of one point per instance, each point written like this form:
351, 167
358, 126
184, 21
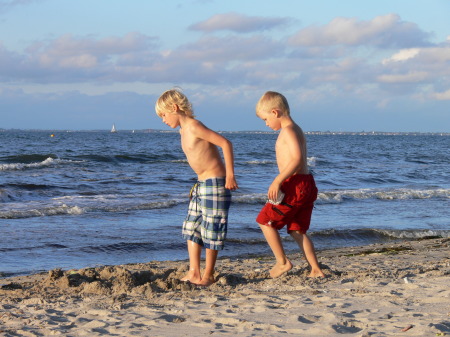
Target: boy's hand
231, 184
274, 190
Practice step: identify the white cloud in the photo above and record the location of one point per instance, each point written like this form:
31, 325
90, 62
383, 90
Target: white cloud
79, 61
383, 31
402, 55
410, 77
70, 45
440, 55
424, 66
441, 96
231, 49
73, 59
238, 23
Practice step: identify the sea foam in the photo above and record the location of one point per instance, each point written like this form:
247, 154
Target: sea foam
21, 166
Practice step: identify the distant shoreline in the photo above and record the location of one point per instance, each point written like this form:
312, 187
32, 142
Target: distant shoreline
333, 133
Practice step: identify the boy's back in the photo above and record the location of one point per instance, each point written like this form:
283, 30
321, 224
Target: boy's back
291, 147
203, 156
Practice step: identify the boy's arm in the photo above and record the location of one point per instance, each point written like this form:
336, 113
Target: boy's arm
291, 145
213, 137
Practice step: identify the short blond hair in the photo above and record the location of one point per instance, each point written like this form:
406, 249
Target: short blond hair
173, 96
273, 100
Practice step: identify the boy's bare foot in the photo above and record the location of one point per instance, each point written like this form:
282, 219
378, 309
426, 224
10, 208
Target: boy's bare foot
279, 269
206, 282
191, 277
316, 274
192, 280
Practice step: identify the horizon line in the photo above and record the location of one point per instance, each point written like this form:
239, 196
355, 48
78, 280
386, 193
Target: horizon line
317, 132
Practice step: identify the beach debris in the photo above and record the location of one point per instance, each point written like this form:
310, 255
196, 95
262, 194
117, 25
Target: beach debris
382, 251
407, 280
406, 328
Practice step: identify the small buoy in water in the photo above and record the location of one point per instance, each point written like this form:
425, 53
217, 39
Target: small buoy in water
52, 135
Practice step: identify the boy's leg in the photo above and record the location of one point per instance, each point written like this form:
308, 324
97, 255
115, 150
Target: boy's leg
282, 265
208, 274
307, 246
194, 250
191, 231
215, 203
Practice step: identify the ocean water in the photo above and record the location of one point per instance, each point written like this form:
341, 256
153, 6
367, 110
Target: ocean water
82, 199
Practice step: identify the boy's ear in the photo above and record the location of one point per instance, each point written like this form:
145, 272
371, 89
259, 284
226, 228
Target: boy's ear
174, 107
276, 112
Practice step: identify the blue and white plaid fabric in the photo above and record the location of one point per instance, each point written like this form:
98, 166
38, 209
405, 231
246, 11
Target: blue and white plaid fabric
207, 220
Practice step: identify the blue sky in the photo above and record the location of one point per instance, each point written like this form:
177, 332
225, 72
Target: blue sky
346, 65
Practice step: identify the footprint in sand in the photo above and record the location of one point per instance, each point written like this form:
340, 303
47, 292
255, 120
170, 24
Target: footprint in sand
172, 318
308, 319
348, 327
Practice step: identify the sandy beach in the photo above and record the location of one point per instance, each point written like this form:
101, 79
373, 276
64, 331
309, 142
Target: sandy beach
399, 289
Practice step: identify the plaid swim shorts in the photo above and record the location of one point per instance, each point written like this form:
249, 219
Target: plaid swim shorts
207, 219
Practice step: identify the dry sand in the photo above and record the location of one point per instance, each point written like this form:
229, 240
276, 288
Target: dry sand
397, 289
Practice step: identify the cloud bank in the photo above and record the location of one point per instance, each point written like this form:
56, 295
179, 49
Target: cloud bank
345, 59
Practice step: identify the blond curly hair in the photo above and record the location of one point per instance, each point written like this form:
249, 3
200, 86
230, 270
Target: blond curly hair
170, 97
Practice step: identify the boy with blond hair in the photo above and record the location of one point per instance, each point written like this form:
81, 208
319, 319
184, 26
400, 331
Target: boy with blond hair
207, 219
292, 193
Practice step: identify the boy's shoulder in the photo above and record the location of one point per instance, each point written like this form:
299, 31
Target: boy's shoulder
195, 127
192, 124
291, 133
292, 128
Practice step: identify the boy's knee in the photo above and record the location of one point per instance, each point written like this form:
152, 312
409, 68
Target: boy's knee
296, 233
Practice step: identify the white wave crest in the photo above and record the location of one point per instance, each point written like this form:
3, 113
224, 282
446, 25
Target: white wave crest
311, 162
39, 212
415, 234
76, 205
256, 198
260, 162
390, 194
339, 196
47, 162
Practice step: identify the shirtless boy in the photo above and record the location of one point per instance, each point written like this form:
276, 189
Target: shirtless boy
294, 180
207, 219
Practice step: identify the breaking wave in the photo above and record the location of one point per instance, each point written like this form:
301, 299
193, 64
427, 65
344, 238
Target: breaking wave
340, 196
45, 163
328, 197
372, 233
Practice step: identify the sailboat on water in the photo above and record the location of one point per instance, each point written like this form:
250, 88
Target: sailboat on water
113, 129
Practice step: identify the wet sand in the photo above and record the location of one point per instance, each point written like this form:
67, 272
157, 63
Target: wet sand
399, 289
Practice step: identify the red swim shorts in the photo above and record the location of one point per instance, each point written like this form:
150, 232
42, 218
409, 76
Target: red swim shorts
296, 208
